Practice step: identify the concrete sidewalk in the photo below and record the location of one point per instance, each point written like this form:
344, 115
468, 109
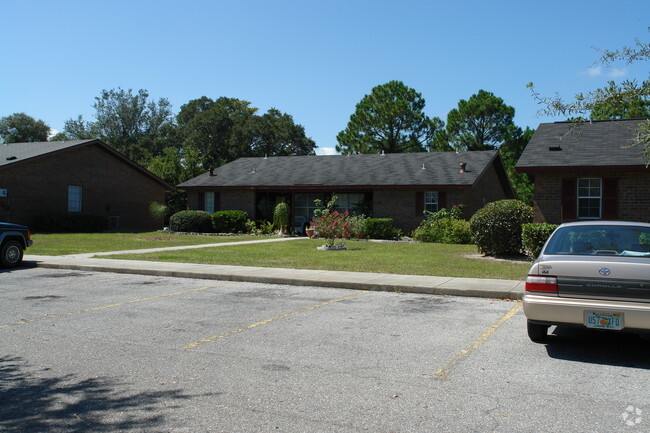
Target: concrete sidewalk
484, 288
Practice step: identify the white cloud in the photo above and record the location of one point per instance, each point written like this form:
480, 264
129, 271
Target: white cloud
326, 151
598, 71
617, 73
595, 71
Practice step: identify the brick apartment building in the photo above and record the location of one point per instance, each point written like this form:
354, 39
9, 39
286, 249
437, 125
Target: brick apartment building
76, 176
399, 186
588, 171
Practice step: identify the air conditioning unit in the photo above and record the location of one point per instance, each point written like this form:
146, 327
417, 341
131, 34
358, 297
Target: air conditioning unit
113, 222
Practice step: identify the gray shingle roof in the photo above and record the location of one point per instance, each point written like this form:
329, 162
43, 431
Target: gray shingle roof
18, 152
398, 169
595, 144
15, 153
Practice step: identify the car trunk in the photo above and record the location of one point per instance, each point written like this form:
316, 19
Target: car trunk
601, 278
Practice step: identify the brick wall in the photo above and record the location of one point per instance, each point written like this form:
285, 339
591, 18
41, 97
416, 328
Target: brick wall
488, 188
109, 187
400, 205
633, 195
239, 200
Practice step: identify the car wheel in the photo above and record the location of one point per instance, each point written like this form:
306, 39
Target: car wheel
537, 333
12, 254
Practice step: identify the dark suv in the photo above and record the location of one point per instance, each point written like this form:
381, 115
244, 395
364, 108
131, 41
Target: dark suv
14, 238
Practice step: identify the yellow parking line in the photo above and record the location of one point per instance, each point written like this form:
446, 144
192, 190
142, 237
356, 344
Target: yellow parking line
267, 321
119, 304
444, 372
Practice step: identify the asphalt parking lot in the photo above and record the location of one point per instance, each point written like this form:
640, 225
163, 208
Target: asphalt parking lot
85, 352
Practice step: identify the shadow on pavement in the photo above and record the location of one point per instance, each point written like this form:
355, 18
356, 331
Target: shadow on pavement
597, 347
67, 404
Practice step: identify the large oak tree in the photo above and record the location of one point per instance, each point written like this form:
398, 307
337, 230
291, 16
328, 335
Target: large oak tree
22, 128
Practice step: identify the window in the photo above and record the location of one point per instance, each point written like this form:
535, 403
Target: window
74, 199
304, 205
208, 202
431, 201
352, 202
589, 198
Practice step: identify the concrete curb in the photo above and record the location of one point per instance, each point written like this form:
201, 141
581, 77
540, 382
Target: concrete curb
472, 287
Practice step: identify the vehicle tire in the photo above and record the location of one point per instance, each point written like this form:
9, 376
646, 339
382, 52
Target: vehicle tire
11, 254
537, 333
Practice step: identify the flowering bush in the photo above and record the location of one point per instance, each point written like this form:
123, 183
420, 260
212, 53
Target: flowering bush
333, 225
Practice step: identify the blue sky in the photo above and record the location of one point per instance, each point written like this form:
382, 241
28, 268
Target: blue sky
313, 60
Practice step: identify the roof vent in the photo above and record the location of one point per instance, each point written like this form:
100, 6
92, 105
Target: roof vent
212, 172
423, 167
253, 172
555, 148
382, 153
463, 167
11, 158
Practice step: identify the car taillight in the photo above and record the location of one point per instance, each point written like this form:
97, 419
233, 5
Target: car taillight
29, 234
535, 283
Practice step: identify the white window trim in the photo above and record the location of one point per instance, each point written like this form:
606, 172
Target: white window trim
599, 197
437, 202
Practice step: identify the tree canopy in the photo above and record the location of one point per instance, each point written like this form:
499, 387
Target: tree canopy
21, 128
389, 119
275, 134
483, 122
215, 129
132, 124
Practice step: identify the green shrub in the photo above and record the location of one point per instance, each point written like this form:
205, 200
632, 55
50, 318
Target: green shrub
251, 227
446, 226
70, 222
444, 230
456, 232
381, 228
264, 227
358, 226
281, 216
496, 228
455, 212
193, 221
534, 236
229, 221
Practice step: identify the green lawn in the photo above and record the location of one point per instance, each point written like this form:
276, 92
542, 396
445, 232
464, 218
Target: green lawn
396, 258
55, 244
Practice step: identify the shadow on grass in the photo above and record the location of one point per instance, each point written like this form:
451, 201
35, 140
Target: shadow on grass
67, 404
598, 347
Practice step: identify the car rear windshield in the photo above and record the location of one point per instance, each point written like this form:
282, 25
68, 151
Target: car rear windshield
600, 240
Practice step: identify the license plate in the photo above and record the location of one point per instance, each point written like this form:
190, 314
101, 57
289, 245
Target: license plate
600, 320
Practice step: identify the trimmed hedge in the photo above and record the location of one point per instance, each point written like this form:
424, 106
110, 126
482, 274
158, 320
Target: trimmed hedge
496, 228
534, 236
229, 221
381, 228
69, 222
192, 221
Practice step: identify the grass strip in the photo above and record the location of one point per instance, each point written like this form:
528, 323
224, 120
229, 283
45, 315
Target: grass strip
395, 258
56, 244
